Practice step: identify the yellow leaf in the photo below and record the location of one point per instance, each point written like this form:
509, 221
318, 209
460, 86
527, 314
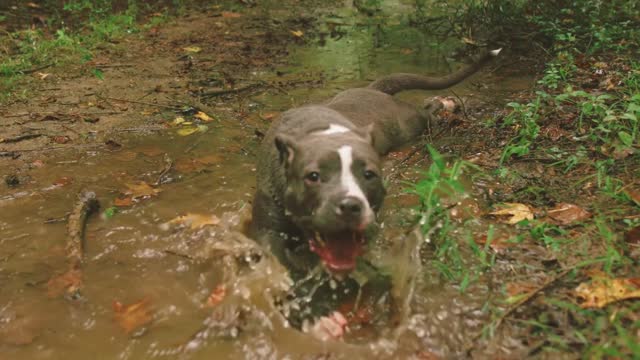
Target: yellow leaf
187, 131
516, 212
192, 49
297, 33
177, 121
194, 221
202, 116
603, 290
140, 189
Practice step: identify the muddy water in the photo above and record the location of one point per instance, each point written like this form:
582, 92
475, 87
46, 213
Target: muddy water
130, 257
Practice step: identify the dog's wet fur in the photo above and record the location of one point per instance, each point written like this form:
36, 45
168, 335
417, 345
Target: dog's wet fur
319, 182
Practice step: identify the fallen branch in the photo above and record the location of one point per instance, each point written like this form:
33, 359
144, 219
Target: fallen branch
29, 71
165, 106
230, 91
85, 206
19, 138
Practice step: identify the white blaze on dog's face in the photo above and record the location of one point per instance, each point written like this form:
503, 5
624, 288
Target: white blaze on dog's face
350, 185
333, 190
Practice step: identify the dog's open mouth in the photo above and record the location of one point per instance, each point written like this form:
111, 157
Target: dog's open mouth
338, 251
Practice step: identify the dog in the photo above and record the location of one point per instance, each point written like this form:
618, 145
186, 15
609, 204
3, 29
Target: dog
319, 182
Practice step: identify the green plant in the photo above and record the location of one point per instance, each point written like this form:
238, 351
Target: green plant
525, 119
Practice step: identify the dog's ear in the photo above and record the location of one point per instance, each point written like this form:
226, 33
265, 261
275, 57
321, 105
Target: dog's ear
287, 148
367, 133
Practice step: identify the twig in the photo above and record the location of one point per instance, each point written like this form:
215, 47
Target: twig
29, 71
464, 109
85, 206
173, 107
520, 303
230, 91
19, 138
104, 66
165, 170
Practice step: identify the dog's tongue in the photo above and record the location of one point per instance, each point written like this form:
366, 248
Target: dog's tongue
339, 254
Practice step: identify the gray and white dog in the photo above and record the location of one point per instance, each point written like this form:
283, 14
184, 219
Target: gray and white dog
319, 185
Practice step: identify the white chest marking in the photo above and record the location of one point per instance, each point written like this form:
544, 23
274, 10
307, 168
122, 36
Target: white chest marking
334, 129
347, 179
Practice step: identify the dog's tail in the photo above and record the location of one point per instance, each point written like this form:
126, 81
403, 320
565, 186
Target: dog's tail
395, 83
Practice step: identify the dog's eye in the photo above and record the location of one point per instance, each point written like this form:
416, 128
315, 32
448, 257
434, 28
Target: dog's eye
368, 174
313, 177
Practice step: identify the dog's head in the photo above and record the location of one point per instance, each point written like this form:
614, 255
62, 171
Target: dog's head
333, 191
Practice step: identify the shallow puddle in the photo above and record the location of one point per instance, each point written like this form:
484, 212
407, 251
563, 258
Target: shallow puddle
133, 255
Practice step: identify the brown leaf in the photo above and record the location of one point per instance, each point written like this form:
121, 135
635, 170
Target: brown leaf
194, 221
68, 283
634, 195
63, 181
60, 139
565, 214
633, 236
37, 163
269, 116
194, 165
112, 145
217, 295
519, 288
123, 201
603, 290
498, 243
516, 212
140, 189
133, 316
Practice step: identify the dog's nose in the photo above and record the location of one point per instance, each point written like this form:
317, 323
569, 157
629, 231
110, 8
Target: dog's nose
351, 206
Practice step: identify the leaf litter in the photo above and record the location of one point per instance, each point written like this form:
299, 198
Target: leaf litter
514, 212
133, 317
191, 220
603, 290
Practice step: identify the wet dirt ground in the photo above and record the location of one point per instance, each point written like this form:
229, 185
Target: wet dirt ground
134, 139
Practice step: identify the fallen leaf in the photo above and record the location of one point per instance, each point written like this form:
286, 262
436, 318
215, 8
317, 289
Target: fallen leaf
61, 139
217, 295
633, 236
193, 165
43, 76
38, 163
112, 145
406, 51
269, 116
194, 221
133, 316
634, 195
178, 121
603, 290
123, 201
230, 15
187, 131
519, 288
192, 49
516, 212
498, 243
63, 181
67, 283
140, 189
565, 214
202, 116
33, 5
297, 33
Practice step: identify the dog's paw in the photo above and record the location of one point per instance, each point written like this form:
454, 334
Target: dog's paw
332, 327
